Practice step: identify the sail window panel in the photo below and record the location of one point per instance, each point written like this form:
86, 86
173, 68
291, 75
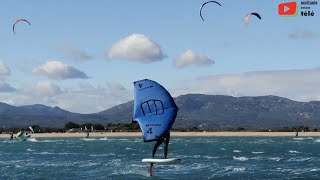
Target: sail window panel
145, 108
152, 107
159, 106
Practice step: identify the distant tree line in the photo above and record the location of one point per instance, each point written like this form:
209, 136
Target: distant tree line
134, 127
114, 127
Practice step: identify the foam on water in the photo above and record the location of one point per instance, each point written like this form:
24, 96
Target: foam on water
102, 155
89, 139
45, 153
299, 159
239, 169
211, 157
234, 169
89, 164
32, 139
51, 141
103, 139
257, 152
66, 153
299, 138
240, 158
317, 140
294, 152
275, 158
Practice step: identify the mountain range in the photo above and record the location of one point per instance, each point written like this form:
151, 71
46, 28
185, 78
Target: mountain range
209, 111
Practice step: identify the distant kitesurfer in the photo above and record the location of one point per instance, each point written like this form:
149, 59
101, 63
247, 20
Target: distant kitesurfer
297, 134
11, 136
87, 135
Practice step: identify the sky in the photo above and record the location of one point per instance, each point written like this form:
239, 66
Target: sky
84, 56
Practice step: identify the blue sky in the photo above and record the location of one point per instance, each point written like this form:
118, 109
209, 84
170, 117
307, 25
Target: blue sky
262, 58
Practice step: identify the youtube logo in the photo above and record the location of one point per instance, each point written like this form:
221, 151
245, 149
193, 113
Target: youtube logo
287, 9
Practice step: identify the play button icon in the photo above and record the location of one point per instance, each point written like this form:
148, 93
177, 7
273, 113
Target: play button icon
287, 9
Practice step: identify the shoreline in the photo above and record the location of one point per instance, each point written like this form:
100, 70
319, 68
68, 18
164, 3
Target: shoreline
173, 134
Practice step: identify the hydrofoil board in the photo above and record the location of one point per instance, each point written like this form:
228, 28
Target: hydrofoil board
162, 161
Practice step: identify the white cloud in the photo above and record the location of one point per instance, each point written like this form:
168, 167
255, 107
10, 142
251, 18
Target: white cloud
4, 70
5, 87
302, 34
190, 57
115, 86
59, 70
46, 88
89, 98
75, 54
298, 85
136, 47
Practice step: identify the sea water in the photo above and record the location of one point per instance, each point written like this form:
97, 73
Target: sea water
202, 158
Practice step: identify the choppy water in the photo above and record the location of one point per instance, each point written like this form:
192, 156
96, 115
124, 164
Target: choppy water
202, 158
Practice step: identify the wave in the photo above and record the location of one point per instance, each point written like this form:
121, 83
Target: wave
262, 141
239, 169
299, 159
235, 169
240, 158
89, 164
198, 166
50, 140
32, 139
275, 158
317, 140
66, 153
134, 174
257, 152
294, 152
45, 153
314, 169
89, 139
47, 140
298, 138
102, 155
103, 139
211, 157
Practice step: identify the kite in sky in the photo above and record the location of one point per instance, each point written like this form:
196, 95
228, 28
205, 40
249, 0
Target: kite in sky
17, 21
205, 4
247, 17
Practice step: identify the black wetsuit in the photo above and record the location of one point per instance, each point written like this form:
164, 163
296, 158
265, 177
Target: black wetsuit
165, 138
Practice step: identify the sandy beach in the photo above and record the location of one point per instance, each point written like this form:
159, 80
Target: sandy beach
175, 134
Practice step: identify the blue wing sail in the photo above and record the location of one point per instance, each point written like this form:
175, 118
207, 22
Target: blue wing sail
154, 109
